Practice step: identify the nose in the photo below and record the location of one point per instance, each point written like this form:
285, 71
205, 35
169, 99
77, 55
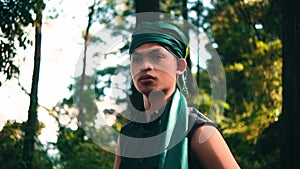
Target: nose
146, 65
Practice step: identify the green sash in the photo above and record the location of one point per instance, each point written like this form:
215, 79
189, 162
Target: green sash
175, 155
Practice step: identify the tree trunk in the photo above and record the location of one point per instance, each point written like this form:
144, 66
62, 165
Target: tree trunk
290, 120
84, 59
186, 28
31, 126
142, 6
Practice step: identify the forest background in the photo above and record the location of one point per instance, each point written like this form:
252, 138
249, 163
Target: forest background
247, 35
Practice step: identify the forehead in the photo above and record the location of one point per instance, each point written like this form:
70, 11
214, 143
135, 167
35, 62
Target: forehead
149, 48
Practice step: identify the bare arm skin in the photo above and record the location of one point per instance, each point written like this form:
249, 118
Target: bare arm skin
211, 149
118, 158
117, 162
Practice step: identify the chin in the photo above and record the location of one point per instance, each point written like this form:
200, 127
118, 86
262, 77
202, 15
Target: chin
146, 92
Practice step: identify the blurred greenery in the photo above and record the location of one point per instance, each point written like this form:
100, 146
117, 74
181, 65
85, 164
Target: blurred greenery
11, 144
252, 60
247, 36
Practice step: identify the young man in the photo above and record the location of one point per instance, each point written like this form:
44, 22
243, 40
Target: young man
167, 134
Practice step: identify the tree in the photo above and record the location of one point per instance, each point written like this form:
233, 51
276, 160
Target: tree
146, 6
32, 122
11, 145
251, 53
78, 147
251, 56
77, 151
18, 15
290, 121
15, 16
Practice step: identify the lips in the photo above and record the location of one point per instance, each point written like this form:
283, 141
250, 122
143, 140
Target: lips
146, 78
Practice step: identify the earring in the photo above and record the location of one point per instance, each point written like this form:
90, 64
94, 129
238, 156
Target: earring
184, 80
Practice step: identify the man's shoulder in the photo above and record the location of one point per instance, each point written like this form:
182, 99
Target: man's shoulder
127, 127
197, 119
196, 115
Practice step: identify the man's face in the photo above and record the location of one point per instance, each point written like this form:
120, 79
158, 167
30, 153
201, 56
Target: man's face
153, 68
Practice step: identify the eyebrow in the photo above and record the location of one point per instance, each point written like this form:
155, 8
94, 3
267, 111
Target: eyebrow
150, 52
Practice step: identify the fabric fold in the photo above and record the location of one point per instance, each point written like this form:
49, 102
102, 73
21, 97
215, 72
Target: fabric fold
175, 144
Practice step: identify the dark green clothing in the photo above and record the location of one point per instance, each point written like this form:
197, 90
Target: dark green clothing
142, 130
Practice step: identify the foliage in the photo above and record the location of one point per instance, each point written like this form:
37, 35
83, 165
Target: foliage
248, 36
251, 56
11, 145
78, 140
78, 151
253, 75
16, 15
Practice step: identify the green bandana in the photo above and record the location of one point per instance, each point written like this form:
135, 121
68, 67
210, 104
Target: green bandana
167, 35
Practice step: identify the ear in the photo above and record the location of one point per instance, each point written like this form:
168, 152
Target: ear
181, 66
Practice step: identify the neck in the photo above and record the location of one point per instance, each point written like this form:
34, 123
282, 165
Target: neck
154, 101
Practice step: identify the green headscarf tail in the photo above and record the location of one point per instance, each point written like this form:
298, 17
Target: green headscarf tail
165, 34
176, 130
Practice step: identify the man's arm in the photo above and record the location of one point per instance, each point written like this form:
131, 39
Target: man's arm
211, 149
118, 158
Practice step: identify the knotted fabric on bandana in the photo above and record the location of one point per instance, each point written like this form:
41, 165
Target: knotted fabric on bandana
168, 36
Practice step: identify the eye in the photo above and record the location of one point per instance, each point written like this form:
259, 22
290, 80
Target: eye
157, 57
136, 59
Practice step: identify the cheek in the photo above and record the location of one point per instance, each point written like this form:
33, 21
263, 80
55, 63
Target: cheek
168, 75
169, 69
133, 70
